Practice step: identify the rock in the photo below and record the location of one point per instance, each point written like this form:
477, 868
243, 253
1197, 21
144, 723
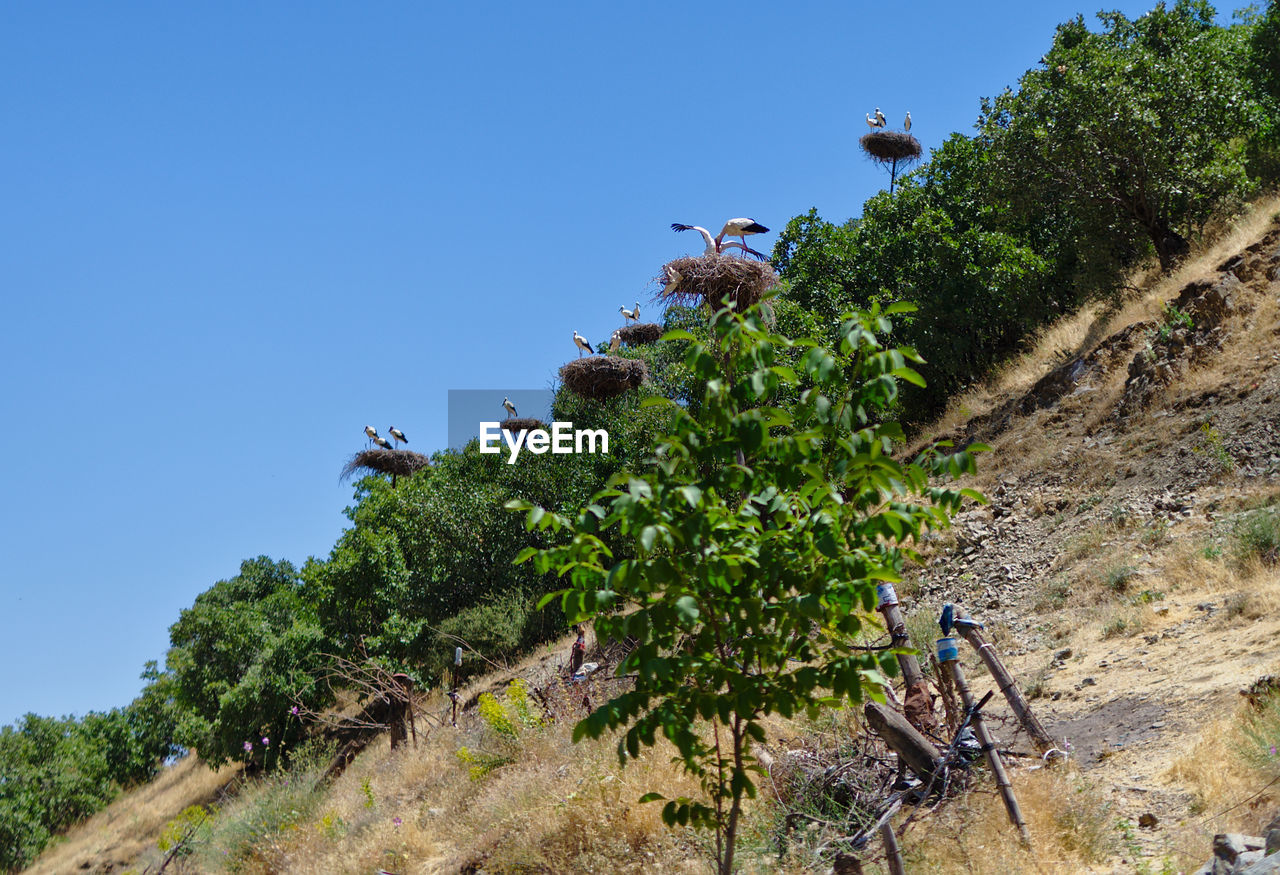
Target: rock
1273, 841
1229, 846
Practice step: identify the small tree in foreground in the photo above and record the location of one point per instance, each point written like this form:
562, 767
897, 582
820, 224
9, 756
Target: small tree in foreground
758, 537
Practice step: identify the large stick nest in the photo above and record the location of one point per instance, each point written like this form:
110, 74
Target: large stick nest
887, 147
397, 463
712, 278
639, 333
517, 424
601, 377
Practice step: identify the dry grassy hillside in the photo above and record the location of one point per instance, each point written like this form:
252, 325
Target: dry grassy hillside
1122, 567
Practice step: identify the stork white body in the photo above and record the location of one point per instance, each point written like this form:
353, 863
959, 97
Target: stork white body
382, 442
880, 119
581, 343
615, 341
370, 432
673, 278
631, 315
740, 228
873, 124
511, 408
397, 435
906, 125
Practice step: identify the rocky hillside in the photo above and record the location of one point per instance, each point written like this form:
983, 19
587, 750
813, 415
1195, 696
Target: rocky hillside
1104, 562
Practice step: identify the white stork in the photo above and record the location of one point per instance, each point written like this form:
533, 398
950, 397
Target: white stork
740, 228
880, 120
581, 343
673, 279
511, 408
631, 315
371, 433
398, 436
615, 341
873, 124
907, 124
713, 247
382, 442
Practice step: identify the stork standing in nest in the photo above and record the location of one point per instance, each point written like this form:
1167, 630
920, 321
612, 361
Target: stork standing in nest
370, 432
615, 340
382, 442
509, 407
398, 436
581, 343
631, 315
740, 228
880, 119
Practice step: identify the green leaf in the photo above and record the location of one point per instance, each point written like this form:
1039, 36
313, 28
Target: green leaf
687, 610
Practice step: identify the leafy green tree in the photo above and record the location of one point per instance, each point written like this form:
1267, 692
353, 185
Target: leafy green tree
1264, 72
1144, 122
758, 535
240, 657
52, 774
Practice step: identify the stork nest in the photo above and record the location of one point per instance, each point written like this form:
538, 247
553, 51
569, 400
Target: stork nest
712, 278
517, 424
887, 147
397, 463
601, 377
639, 333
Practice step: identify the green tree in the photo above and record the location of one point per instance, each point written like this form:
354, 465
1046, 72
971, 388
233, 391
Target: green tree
758, 535
240, 657
1145, 122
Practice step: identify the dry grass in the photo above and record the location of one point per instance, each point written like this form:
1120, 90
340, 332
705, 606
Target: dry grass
130, 826
1072, 827
1079, 332
554, 807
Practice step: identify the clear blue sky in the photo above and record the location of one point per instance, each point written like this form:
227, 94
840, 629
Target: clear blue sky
232, 234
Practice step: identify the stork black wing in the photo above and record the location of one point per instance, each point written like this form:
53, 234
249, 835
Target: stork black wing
676, 226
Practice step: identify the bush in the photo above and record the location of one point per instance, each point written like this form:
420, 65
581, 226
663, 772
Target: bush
1257, 536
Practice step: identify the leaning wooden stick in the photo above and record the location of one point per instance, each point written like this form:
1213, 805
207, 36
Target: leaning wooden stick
947, 655
967, 627
917, 702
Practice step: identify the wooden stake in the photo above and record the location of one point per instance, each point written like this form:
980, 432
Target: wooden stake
1012, 693
892, 853
912, 748
989, 748
918, 702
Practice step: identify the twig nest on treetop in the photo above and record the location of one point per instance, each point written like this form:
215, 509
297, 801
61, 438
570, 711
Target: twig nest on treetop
517, 424
601, 377
639, 333
889, 146
397, 463
712, 278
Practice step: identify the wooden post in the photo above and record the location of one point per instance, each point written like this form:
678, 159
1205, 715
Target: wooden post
918, 752
892, 853
948, 657
1012, 693
917, 702
401, 710
457, 670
